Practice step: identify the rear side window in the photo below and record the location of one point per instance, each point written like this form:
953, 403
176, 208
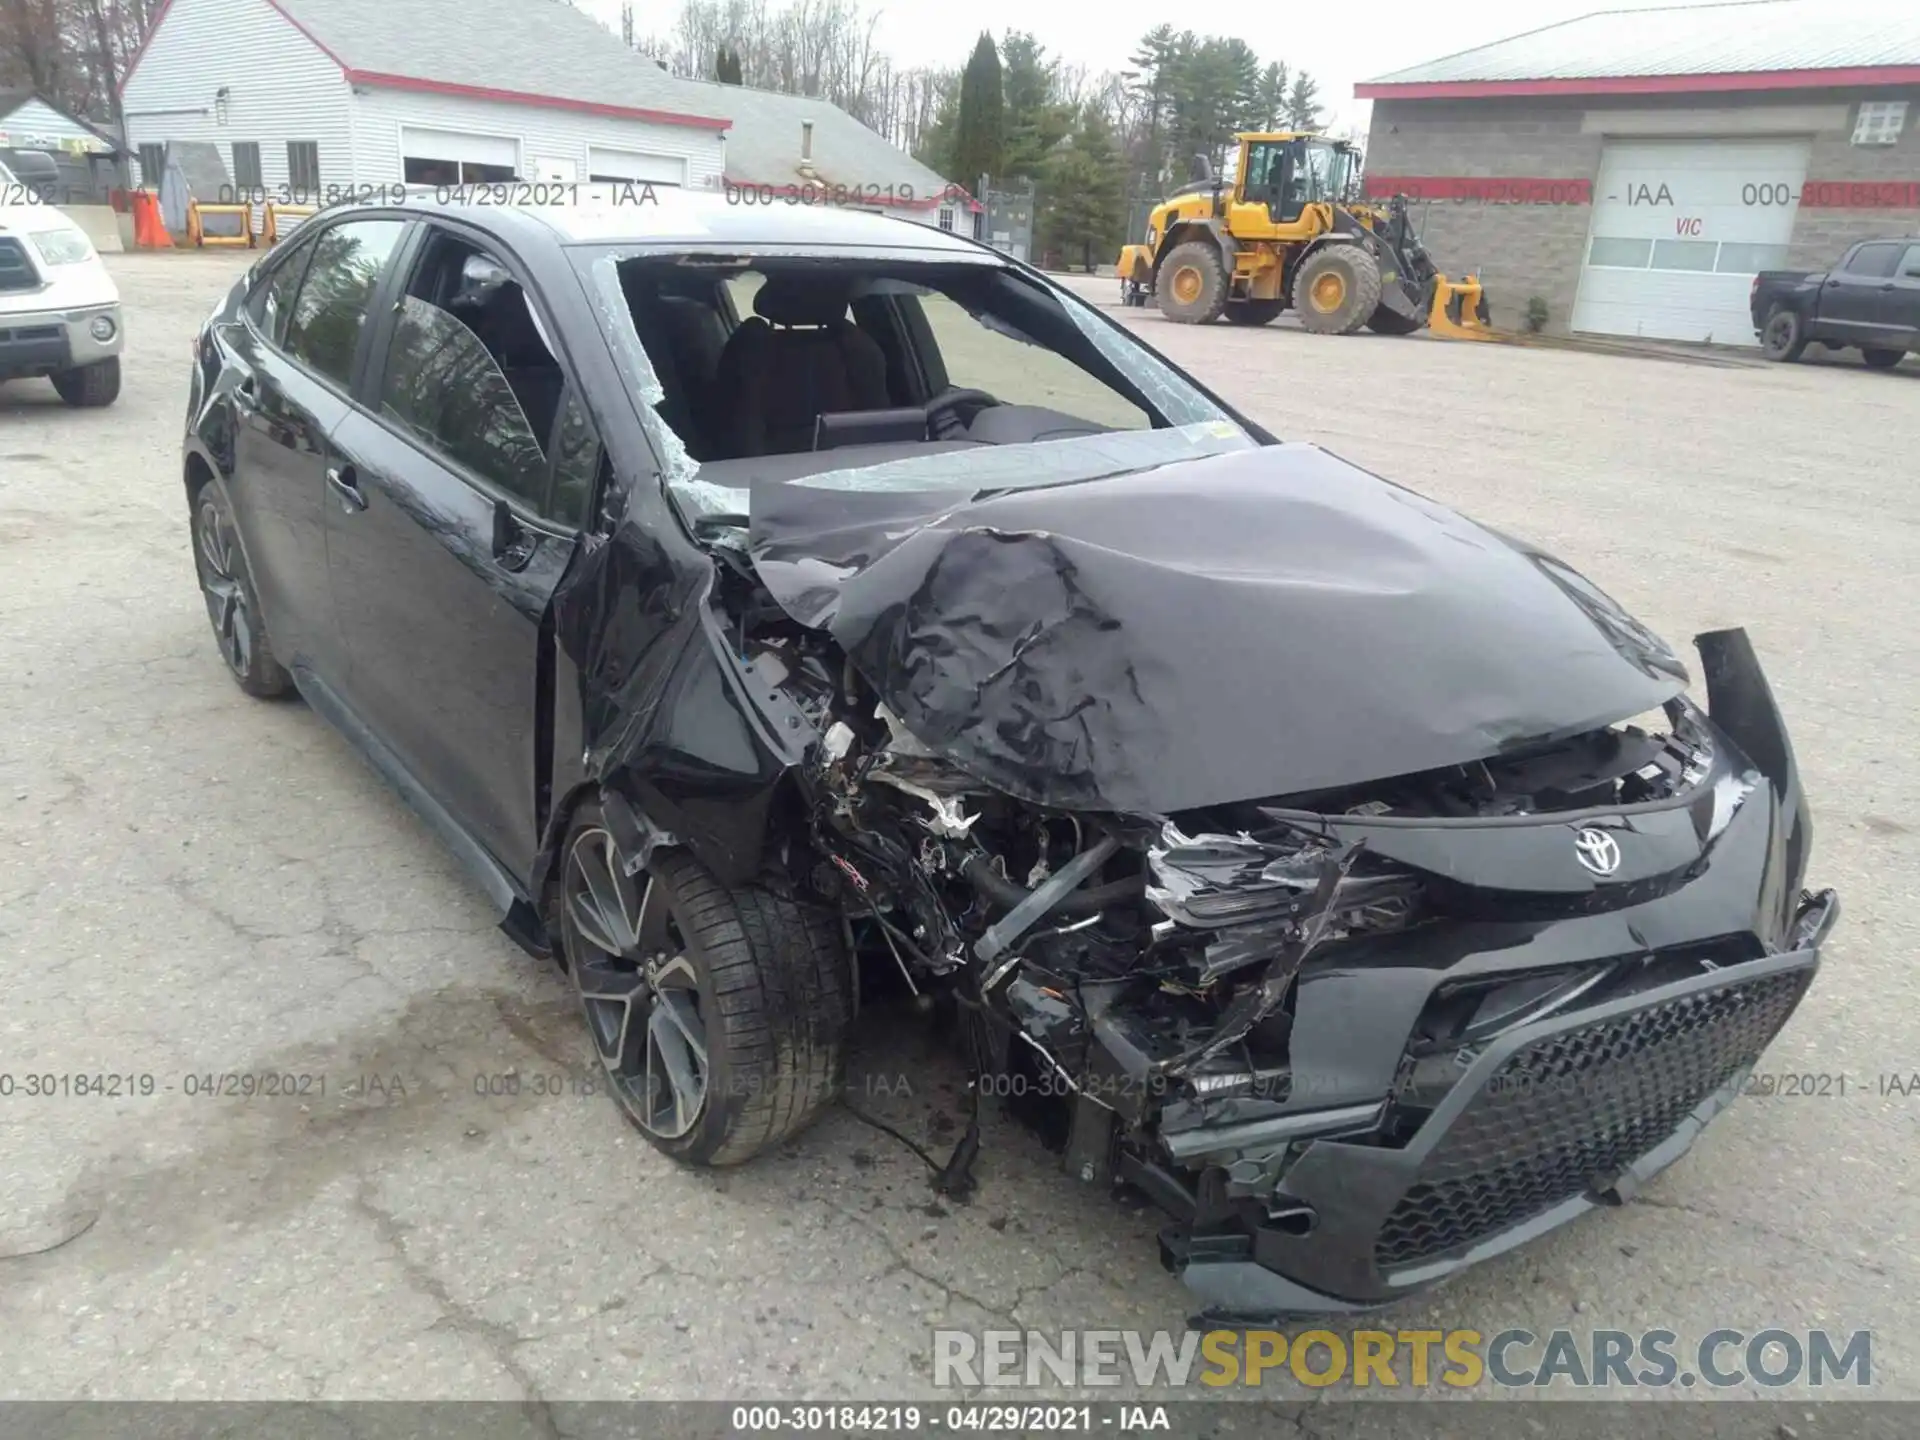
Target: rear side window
1910, 263
325, 326
443, 386
1874, 261
272, 302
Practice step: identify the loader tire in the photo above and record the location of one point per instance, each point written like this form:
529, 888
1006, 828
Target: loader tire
1337, 290
1254, 312
1390, 322
1192, 287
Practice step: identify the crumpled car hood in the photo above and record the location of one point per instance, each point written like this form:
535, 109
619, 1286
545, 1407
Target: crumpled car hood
1253, 624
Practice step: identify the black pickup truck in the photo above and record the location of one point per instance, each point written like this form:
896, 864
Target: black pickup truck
1871, 299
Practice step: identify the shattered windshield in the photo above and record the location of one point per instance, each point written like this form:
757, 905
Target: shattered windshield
885, 372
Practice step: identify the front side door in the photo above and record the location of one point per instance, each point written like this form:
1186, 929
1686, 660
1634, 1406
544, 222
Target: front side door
1857, 301
293, 353
450, 529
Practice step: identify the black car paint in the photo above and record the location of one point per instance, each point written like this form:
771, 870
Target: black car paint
630, 682
638, 688
1069, 644
1841, 307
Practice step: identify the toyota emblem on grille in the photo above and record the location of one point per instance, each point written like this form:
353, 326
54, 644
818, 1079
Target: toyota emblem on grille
1598, 851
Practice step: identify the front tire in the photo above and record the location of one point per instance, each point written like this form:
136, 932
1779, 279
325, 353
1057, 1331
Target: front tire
1781, 340
233, 605
1337, 290
1192, 285
719, 1016
1882, 359
90, 387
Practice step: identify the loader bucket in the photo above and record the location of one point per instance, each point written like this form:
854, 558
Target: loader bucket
1460, 310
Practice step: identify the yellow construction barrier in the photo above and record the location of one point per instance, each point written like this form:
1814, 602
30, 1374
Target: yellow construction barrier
197, 234
284, 219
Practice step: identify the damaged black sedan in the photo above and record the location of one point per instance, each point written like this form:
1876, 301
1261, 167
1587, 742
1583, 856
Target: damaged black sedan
760, 600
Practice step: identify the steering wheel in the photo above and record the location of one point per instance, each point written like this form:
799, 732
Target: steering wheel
944, 419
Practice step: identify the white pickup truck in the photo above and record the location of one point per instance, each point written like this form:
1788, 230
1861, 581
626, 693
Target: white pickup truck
59, 308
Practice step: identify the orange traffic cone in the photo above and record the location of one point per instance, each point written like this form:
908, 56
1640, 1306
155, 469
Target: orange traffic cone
149, 230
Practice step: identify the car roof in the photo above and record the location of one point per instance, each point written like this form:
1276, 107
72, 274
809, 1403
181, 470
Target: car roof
665, 215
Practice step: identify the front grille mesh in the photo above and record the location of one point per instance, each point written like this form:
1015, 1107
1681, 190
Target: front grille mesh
1578, 1107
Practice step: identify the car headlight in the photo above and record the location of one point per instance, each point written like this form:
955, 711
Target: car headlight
62, 247
103, 328
1213, 882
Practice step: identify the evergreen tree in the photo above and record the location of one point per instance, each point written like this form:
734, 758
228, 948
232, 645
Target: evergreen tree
726, 66
1303, 103
934, 146
1270, 105
1036, 120
980, 127
1085, 210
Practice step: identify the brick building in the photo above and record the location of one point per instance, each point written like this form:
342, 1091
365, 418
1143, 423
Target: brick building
1635, 168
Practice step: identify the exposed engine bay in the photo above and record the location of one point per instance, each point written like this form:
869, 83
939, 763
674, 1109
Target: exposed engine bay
1138, 959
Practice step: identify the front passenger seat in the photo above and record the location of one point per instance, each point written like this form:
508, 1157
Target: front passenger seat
796, 358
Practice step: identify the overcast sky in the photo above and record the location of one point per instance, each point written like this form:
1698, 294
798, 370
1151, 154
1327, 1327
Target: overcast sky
1386, 34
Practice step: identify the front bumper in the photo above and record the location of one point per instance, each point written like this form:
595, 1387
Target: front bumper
1551, 1120
1354, 1196
41, 342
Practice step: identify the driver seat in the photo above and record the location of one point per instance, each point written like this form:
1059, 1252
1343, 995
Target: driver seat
796, 358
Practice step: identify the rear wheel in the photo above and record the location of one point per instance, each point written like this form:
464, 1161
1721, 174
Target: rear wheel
718, 1015
1254, 312
1882, 359
1337, 290
1781, 338
1391, 322
1193, 284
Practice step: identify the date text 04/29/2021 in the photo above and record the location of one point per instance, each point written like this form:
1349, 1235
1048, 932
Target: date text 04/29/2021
499, 194
985, 1417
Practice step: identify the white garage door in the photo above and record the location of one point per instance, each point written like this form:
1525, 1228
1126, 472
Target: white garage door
1679, 228
604, 164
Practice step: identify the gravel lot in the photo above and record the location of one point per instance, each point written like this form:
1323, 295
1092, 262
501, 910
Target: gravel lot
196, 884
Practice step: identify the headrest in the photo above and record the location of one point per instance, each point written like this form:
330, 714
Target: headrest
789, 300
480, 280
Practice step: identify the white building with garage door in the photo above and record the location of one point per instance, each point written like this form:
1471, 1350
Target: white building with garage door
1634, 169
331, 98
323, 97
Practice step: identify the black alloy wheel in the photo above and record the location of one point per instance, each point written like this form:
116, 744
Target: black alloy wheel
638, 986
718, 1014
233, 607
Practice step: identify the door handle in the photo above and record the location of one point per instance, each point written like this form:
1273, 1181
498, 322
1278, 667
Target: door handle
345, 484
513, 543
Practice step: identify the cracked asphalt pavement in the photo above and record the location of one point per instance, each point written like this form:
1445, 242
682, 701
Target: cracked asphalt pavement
196, 885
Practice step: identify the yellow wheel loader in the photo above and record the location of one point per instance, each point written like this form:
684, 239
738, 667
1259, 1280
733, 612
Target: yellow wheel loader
1285, 230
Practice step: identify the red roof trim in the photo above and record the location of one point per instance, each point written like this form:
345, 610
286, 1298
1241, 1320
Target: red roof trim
145, 40
312, 39
161, 19
1641, 84
521, 97
822, 192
